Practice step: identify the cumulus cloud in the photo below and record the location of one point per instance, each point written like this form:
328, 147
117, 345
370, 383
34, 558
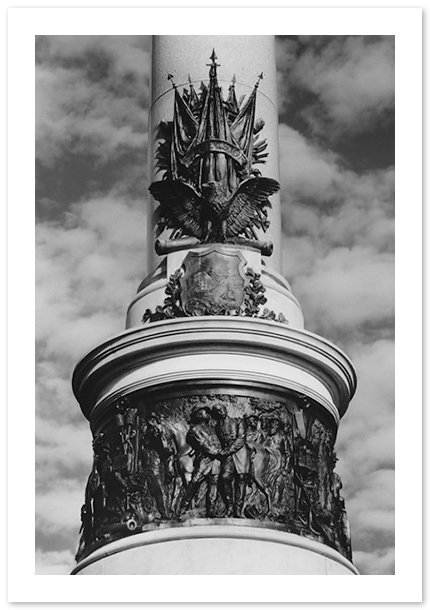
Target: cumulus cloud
381, 562
69, 443
338, 254
57, 525
56, 508
54, 562
365, 447
84, 119
86, 270
90, 97
348, 288
315, 177
339, 237
91, 122
349, 80
306, 169
123, 54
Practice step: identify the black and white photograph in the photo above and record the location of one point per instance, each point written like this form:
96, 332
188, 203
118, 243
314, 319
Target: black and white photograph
215, 304
336, 158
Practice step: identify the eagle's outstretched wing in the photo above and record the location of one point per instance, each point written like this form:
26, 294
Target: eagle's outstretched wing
181, 208
248, 206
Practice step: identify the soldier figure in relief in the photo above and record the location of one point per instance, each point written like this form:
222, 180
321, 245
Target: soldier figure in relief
203, 440
275, 444
235, 460
157, 457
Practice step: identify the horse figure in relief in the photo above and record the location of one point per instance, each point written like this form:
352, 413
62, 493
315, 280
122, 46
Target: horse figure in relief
267, 464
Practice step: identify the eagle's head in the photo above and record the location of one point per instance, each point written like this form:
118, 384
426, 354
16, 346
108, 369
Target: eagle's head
213, 191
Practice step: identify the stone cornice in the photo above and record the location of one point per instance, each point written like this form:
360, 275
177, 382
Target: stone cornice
215, 336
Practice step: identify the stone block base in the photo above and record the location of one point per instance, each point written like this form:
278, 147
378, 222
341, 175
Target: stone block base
209, 549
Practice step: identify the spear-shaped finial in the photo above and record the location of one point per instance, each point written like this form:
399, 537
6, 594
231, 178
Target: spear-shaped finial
233, 80
170, 78
260, 77
213, 57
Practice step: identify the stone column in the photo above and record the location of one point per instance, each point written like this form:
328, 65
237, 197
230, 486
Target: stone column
215, 413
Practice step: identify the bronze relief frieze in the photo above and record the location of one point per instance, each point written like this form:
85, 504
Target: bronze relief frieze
256, 461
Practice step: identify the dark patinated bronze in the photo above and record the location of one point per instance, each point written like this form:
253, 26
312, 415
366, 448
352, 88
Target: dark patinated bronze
215, 456
211, 189
213, 284
213, 279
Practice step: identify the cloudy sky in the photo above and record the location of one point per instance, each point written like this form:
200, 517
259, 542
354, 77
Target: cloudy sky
336, 134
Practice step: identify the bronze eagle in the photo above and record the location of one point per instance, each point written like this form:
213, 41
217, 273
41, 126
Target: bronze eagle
212, 216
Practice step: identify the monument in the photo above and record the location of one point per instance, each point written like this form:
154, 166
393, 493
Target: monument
215, 413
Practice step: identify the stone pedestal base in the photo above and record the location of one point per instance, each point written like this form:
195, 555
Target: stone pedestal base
215, 549
165, 399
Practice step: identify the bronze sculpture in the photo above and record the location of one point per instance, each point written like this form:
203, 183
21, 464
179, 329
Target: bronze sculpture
235, 459
211, 189
207, 449
271, 462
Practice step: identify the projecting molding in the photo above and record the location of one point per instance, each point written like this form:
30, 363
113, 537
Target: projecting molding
251, 353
